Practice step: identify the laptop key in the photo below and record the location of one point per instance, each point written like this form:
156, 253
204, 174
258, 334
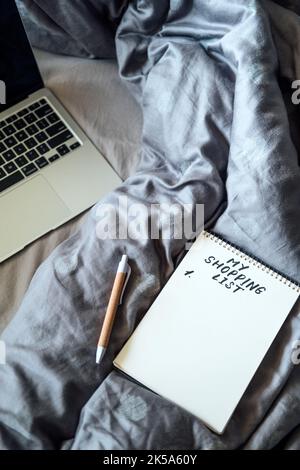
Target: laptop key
32, 129
11, 118
63, 150
22, 135
41, 162
2, 124
44, 111
2, 173
2, 136
10, 142
60, 139
2, 147
42, 149
34, 106
56, 129
23, 112
29, 169
1, 161
21, 161
30, 143
75, 146
9, 130
42, 124
9, 155
19, 149
54, 158
53, 118
32, 155
20, 124
41, 137
30, 118
10, 167
10, 181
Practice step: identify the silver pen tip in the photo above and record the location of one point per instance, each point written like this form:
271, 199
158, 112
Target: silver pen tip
100, 353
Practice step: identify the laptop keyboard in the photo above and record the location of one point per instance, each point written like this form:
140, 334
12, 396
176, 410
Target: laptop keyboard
30, 140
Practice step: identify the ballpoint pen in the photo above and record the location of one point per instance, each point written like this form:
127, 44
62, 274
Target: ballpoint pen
115, 300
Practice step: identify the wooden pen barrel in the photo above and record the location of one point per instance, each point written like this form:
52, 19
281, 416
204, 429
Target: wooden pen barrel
111, 309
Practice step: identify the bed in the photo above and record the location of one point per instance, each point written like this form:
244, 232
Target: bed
202, 114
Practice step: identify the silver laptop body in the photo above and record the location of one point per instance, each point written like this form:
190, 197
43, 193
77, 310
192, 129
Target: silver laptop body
49, 170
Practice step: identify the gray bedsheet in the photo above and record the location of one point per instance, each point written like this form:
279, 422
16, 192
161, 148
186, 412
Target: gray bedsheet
212, 79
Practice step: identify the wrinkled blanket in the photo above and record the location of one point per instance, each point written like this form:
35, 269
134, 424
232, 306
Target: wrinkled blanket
213, 81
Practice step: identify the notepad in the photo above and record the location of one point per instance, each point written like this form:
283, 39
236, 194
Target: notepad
205, 335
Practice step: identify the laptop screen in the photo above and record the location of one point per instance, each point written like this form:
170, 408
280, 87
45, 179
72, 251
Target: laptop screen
19, 73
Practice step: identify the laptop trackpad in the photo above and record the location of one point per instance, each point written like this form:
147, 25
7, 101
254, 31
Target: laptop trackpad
27, 212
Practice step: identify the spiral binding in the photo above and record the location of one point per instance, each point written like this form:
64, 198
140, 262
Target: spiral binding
252, 260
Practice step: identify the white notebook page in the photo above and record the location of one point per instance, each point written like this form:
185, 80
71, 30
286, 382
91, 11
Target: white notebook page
203, 338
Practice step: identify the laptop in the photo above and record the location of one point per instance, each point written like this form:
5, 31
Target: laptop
49, 170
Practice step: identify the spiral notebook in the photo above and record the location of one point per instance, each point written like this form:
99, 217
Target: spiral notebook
205, 335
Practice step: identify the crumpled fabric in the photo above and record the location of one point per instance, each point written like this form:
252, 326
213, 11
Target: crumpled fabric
213, 81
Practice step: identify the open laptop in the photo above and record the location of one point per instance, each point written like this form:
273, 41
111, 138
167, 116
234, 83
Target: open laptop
49, 170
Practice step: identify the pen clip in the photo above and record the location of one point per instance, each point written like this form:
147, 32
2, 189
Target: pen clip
125, 283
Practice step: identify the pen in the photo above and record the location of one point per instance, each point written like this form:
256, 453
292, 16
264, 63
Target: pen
115, 300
